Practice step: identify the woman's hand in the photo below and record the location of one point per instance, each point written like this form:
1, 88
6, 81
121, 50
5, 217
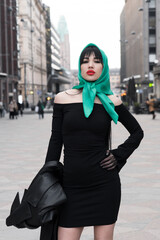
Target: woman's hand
109, 162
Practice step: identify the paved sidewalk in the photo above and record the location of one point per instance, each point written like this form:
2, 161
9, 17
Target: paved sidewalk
23, 146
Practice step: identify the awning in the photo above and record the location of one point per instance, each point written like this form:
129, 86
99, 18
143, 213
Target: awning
59, 79
3, 74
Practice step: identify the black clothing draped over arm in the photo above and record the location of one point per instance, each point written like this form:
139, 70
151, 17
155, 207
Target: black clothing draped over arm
136, 134
56, 140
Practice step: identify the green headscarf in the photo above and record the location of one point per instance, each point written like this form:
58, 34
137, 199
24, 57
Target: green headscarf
100, 87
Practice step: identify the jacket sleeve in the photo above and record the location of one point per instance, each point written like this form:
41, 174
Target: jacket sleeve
123, 151
56, 140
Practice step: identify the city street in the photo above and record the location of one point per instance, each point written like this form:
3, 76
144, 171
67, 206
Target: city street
23, 146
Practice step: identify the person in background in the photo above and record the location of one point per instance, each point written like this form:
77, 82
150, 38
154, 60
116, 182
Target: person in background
151, 107
1, 109
82, 122
11, 110
40, 109
146, 104
15, 109
20, 109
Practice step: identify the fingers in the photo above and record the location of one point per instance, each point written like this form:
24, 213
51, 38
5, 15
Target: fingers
109, 162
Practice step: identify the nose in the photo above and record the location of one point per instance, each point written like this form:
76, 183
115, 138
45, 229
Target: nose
90, 64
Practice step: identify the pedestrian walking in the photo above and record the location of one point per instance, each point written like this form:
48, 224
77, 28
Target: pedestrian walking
40, 109
20, 109
11, 110
15, 109
82, 123
1, 109
147, 105
151, 104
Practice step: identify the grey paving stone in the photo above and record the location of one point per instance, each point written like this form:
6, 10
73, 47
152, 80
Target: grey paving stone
23, 146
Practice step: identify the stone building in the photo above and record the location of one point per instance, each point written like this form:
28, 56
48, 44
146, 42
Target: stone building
58, 77
140, 45
9, 72
156, 72
64, 43
115, 80
32, 44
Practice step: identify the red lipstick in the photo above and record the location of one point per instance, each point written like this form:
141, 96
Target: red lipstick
90, 72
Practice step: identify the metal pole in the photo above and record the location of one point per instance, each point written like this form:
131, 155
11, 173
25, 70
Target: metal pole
6, 52
25, 85
32, 49
41, 55
41, 73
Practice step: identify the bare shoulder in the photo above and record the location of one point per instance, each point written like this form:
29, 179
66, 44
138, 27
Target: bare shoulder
116, 100
60, 97
65, 96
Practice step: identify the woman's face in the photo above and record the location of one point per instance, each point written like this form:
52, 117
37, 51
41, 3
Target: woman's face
91, 68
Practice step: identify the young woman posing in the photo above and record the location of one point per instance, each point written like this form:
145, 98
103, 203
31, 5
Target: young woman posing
81, 122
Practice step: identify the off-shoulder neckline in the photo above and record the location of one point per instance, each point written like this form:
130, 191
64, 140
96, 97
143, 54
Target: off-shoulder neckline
82, 103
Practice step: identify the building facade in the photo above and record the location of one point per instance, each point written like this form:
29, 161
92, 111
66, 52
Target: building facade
156, 72
115, 80
9, 73
140, 45
57, 76
32, 44
64, 43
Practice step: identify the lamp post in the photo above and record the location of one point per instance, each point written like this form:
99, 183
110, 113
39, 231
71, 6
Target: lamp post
25, 85
32, 31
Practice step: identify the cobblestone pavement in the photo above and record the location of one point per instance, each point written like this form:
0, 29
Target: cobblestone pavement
23, 145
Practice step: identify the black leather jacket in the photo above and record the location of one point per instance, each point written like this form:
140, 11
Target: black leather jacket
40, 203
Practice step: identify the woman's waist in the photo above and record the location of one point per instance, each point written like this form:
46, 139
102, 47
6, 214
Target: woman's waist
85, 169
89, 177
83, 148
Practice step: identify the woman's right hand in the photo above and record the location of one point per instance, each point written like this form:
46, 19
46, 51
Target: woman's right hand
109, 162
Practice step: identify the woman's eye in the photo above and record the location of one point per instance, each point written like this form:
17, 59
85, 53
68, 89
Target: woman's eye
85, 61
97, 61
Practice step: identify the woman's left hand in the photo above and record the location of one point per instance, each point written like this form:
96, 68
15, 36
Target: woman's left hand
109, 162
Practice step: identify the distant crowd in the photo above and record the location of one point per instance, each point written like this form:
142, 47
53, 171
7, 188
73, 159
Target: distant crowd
15, 109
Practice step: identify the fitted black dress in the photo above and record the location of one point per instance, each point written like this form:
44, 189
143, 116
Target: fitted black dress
93, 193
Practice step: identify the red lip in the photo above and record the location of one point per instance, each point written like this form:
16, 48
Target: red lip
90, 72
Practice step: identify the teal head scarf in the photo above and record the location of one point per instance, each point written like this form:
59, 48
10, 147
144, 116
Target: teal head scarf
101, 88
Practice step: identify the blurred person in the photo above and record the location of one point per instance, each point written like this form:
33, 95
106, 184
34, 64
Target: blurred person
11, 110
1, 109
40, 109
82, 122
15, 109
20, 109
147, 105
151, 107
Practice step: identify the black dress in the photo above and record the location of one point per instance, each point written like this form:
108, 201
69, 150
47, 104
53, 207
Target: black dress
93, 193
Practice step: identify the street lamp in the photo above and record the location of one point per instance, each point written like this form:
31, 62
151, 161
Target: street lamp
40, 40
25, 84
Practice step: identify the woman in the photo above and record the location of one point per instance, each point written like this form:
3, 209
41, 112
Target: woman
81, 121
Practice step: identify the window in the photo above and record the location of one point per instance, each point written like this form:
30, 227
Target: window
152, 4
152, 22
152, 31
152, 57
152, 39
151, 76
152, 50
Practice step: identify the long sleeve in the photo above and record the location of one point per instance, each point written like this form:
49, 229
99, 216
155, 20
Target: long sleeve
56, 140
136, 134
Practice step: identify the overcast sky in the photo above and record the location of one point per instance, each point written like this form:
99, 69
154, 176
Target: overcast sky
96, 21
